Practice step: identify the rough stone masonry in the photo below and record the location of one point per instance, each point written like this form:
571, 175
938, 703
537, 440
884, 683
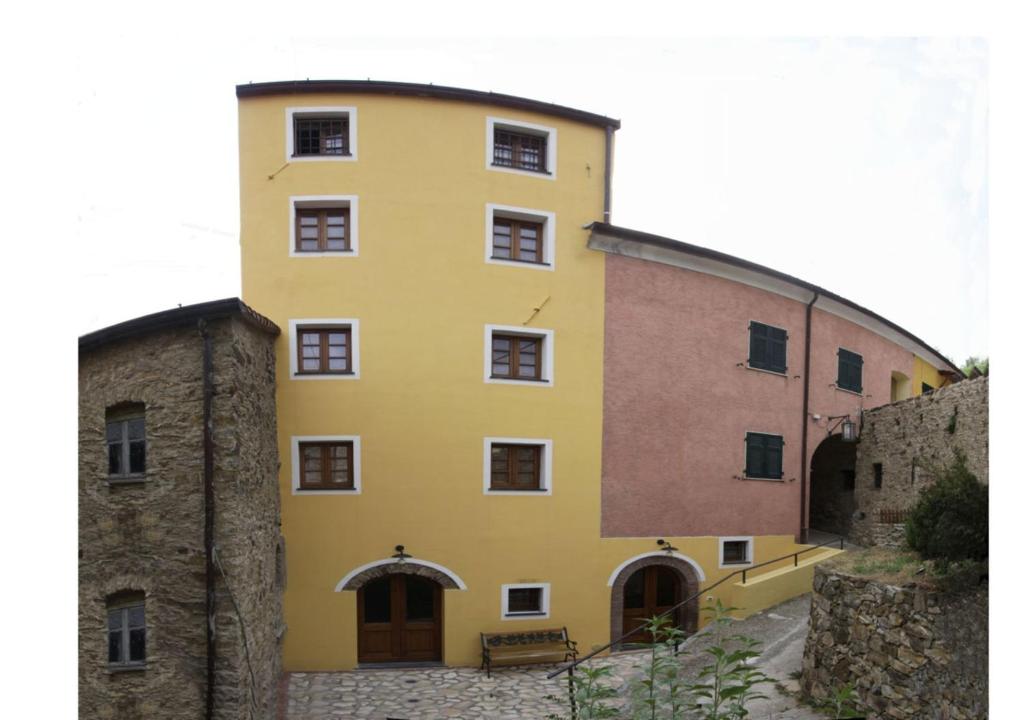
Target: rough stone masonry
145, 535
904, 444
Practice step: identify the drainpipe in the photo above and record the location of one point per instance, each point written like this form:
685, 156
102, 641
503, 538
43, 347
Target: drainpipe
211, 650
608, 173
803, 441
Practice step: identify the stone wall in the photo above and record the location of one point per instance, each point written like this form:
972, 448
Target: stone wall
911, 651
912, 440
147, 536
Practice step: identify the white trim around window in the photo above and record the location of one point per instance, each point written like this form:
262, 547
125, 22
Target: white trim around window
324, 111
547, 221
321, 202
293, 351
721, 551
545, 464
550, 133
547, 368
545, 601
357, 458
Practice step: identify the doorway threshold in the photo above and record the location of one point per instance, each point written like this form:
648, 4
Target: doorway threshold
406, 665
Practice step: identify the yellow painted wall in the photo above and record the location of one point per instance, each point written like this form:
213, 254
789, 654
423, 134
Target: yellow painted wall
925, 372
423, 293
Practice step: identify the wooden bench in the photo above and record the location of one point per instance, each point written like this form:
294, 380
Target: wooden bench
523, 648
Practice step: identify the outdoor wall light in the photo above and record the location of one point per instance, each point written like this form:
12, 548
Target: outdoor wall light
847, 426
400, 553
666, 546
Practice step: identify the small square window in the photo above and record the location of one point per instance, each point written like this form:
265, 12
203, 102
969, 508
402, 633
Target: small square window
521, 147
735, 551
525, 600
767, 347
851, 366
516, 467
320, 133
519, 236
764, 456
516, 357
126, 631
126, 441
326, 465
324, 348
322, 230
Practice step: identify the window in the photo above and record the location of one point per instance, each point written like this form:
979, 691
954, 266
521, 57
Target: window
767, 347
877, 468
525, 600
518, 236
926, 388
320, 133
735, 551
126, 441
520, 147
515, 355
126, 630
324, 225
764, 456
517, 465
325, 464
324, 348
850, 366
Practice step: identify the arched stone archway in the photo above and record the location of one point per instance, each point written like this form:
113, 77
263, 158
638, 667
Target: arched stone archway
689, 576
410, 566
833, 481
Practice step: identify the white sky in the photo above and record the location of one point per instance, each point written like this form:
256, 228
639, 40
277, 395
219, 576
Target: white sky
858, 165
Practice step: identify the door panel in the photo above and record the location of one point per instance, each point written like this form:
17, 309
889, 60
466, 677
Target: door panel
648, 592
400, 619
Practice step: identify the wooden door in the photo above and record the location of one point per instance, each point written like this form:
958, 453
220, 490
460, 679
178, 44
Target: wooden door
649, 591
400, 620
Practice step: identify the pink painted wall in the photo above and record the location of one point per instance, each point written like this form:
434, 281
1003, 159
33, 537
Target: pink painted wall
679, 400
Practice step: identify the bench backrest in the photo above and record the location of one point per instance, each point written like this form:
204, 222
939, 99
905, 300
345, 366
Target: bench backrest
527, 637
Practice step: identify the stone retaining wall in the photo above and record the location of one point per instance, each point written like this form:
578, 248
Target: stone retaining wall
909, 441
911, 651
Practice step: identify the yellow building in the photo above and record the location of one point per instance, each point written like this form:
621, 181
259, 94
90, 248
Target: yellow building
441, 370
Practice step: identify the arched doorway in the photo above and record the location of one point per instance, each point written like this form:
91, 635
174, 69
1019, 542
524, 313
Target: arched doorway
400, 619
400, 609
833, 483
650, 585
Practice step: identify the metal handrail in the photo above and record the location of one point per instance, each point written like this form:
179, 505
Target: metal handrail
576, 663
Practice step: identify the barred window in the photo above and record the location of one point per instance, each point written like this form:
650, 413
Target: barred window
523, 151
322, 136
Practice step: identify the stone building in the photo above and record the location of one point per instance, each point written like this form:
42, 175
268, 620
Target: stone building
904, 444
178, 523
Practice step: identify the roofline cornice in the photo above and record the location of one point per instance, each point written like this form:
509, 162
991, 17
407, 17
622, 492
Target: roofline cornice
177, 317
656, 248
443, 92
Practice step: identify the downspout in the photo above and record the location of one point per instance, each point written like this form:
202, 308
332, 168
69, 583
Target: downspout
803, 441
608, 173
208, 497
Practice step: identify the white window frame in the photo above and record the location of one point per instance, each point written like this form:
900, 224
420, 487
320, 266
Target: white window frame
322, 202
323, 111
293, 350
547, 354
510, 212
545, 601
357, 457
748, 539
545, 464
550, 161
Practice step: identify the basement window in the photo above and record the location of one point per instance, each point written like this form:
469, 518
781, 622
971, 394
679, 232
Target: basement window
735, 551
525, 601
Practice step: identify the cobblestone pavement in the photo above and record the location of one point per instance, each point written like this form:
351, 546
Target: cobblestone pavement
522, 692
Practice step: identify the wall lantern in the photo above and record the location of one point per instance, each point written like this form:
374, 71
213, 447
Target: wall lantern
666, 546
400, 554
847, 427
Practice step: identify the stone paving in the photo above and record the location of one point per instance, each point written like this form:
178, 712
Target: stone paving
524, 692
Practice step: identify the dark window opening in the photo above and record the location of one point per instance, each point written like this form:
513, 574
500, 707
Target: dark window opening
877, 469
764, 456
523, 151
322, 136
767, 347
525, 601
126, 440
126, 630
735, 552
926, 388
851, 367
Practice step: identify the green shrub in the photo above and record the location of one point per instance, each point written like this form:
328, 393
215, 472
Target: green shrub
950, 520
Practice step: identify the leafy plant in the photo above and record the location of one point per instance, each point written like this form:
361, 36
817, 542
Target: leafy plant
950, 520
843, 704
